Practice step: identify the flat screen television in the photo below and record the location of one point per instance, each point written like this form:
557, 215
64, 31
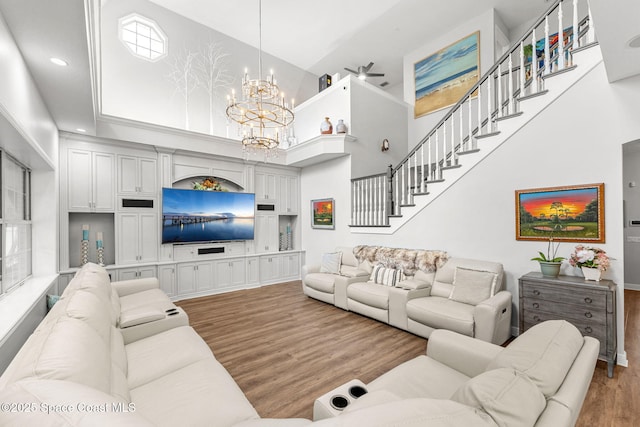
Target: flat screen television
190, 216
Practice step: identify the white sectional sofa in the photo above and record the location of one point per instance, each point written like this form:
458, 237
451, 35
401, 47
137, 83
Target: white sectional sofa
417, 290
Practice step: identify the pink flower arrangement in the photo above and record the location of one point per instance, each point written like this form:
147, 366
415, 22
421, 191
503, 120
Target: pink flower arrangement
590, 257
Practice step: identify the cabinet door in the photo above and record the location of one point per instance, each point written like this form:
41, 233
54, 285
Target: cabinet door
223, 274
238, 274
291, 266
128, 233
128, 274
266, 187
269, 269
204, 276
148, 237
148, 176
253, 271
103, 182
147, 272
79, 182
186, 278
167, 278
288, 196
127, 174
266, 236
294, 193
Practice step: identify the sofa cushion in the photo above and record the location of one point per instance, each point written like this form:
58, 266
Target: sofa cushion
323, 282
370, 294
544, 353
349, 271
199, 394
150, 297
386, 276
87, 306
348, 258
442, 313
508, 396
473, 286
331, 263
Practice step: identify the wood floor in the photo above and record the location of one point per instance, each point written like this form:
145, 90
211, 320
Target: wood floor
285, 349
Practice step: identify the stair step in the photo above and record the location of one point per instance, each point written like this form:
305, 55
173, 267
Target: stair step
411, 205
462, 153
508, 116
373, 226
487, 135
533, 95
434, 181
444, 168
421, 194
556, 73
585, 47
394, 216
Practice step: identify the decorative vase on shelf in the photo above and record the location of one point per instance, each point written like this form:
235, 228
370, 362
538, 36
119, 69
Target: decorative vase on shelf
326, 128
591, 273
550, 269
341, 127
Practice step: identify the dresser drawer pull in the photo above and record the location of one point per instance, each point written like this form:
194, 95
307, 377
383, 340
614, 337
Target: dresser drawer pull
588, 300
536, 305
588, 315
536, 318
536, 292
588, 329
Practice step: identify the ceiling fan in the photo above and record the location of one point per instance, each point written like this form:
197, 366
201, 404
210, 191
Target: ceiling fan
363, 72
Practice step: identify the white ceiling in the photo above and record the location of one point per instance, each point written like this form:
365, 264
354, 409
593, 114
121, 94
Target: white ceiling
320, 37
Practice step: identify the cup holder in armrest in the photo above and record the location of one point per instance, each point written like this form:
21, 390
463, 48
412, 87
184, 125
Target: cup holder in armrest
172, 313
339, 402
171, 310
357, 391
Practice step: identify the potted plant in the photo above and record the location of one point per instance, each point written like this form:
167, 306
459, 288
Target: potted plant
550, 263
592, 261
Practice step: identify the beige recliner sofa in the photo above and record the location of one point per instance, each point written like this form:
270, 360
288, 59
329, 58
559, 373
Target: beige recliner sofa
433, 291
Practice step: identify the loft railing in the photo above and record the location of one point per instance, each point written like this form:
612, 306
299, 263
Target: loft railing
517, 74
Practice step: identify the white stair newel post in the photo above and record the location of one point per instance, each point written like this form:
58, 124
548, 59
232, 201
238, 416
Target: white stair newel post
460, 119
383, 189
489, 104
422, 176
438, 172
591, 33
454, 152
429, 157
356, 205
353, 204
510, 91
499, 84
415, 172
397, 196
534, 63
560, 39
523, 76
479, 104
470, 120
547, 57
576, 29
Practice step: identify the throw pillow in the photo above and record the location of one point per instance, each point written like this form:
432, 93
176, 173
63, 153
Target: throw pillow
508, 396
473, 286
386, 276
331, 263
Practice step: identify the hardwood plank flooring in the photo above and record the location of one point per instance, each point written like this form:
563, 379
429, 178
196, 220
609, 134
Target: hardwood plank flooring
284, 350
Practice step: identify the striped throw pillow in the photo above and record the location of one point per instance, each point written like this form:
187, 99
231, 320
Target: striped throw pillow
386, 276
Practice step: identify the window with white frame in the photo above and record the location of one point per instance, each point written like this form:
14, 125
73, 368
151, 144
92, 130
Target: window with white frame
15, 223
143, 37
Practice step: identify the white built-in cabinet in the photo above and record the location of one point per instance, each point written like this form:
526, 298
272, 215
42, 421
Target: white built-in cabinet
137, 272
195, 277
266, 232
137, 237
290, 265
137, 175
269, 268
253, 271
266, 187
90, 181
167, 279
229, 273
288, 195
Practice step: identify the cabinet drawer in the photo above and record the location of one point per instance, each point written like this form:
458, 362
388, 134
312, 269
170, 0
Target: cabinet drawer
569, 295
582, 312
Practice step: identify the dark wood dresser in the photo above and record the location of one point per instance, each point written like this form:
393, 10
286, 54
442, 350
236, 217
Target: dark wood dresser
590, 306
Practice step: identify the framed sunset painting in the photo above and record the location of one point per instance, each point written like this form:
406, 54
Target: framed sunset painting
322, 214
445, 76
570, 214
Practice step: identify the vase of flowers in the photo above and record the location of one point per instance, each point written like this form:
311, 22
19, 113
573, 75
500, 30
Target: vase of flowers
591, 260
550, 262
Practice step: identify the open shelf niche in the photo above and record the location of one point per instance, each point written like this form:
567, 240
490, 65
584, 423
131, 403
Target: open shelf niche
97, 222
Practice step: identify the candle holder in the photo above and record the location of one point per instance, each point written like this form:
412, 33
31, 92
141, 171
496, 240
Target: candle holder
101, 256
84, 252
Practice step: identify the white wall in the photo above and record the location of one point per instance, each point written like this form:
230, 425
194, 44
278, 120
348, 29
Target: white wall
631, 170
140, 90
571, 142
484, 23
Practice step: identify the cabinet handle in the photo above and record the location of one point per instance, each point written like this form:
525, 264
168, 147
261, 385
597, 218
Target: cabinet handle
536, 292
588, 300
588, 315
536, 305
588, 329
536, 318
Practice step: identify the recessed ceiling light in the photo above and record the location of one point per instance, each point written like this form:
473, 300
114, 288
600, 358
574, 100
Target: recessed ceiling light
58, 61
81, 130
634, 42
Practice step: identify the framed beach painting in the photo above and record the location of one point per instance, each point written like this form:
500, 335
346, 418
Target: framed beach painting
322, 214
443, 77
570, 214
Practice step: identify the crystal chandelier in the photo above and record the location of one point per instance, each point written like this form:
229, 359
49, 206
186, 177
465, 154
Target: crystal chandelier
261, 112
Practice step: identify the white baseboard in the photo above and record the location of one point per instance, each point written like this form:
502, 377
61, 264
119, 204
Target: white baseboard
622, 359
632, 286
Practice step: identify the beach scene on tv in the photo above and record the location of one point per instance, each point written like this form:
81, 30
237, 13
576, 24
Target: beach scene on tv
203, 216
